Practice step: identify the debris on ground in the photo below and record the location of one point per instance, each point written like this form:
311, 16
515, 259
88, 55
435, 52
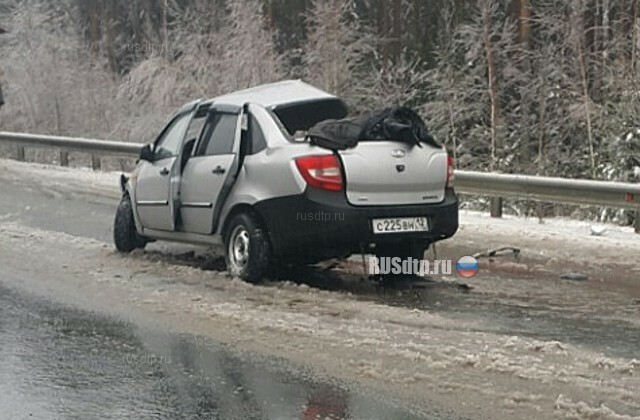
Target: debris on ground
574, 276
499, 252
598, 230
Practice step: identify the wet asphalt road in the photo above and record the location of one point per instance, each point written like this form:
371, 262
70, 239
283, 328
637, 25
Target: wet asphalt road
42, 208
58, 362
91, 216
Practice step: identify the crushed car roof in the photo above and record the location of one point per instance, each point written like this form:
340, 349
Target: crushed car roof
276, 94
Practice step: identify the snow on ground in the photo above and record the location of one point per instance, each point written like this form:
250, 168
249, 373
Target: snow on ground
56, 178
417, 357
553, 240
570, 228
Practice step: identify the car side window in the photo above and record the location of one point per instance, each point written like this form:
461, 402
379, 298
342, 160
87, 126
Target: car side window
219, 135
258, 142
195, 127
171, 142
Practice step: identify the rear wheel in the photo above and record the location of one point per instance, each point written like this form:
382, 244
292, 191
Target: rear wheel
248, 253
125, 236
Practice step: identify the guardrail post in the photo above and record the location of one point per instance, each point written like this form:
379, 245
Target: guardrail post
636, 221
64, 158
496, 207
96, 164
20, 155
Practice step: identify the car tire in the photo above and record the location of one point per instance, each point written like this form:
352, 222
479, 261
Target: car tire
125, 236
247, 249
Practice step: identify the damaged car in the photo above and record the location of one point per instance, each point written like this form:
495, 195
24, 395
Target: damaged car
280, 174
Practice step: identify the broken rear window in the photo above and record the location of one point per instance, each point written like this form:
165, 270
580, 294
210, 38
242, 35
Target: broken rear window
300, 117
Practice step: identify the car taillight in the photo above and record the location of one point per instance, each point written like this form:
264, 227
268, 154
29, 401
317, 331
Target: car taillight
450, 172
323, 172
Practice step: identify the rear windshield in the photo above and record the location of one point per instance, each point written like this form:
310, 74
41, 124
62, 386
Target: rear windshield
300, 117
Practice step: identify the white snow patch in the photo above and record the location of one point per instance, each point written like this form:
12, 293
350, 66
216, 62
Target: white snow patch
580, 410
78, 180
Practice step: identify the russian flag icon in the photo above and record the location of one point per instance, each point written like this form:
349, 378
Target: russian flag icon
467, 267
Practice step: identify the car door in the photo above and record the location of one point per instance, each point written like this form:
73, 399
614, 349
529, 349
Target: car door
209, 174
154, 203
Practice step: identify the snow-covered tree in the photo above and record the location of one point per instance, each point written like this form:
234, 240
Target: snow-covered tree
249, 56
338, 50
53, 84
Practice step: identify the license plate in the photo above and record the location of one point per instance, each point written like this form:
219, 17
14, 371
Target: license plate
400, 224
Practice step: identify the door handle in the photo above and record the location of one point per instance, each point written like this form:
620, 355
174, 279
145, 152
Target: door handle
164, 172
219, 170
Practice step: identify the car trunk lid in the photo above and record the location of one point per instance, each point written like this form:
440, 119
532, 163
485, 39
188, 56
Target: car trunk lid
394, 173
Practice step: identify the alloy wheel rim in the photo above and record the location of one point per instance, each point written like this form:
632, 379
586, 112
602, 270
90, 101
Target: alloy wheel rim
239, 249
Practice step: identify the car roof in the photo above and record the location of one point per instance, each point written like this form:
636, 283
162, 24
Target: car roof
273, 95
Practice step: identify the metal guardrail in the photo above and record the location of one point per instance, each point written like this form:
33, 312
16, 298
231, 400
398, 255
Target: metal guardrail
108, 147
556, 190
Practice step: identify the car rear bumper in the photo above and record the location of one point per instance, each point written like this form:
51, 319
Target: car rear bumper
317, 224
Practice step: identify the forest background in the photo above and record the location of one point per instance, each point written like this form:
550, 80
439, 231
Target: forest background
542, 87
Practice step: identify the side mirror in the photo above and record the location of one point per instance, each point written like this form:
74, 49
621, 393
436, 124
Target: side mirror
146, 153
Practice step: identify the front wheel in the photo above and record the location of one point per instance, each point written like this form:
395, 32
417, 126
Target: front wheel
248, 254
125, 236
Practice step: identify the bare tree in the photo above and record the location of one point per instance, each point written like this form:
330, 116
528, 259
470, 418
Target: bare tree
577, 37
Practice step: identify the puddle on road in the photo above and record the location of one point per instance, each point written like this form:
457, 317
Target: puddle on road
59, 362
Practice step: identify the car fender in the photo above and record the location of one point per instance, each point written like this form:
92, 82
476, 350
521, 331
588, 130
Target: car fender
127, 187
241, 200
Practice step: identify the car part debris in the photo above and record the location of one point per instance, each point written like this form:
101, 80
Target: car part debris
574, 276
499, 252
598, 230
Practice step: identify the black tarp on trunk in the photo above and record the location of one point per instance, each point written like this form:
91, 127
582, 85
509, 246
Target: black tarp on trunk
395, 124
